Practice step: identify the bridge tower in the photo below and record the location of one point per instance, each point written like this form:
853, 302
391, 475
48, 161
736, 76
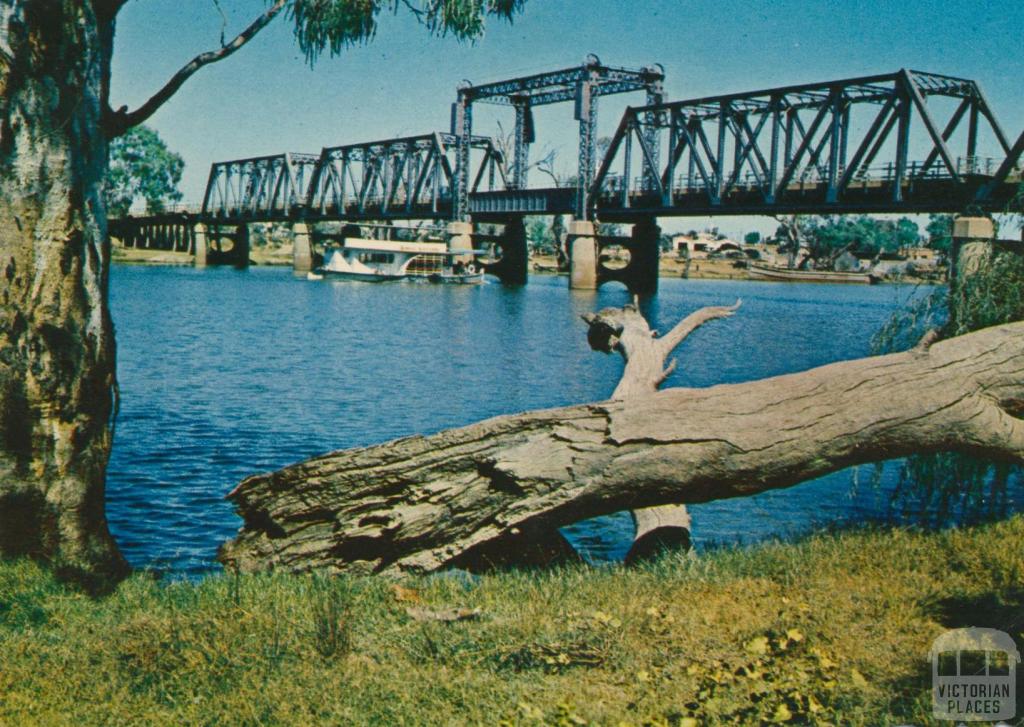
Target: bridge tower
582, 85
302, 247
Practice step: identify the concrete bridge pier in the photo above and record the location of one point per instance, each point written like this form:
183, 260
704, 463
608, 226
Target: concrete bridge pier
302, 248
512, 268
239, 255
641, 274
583, 255
200, 244
209, 249
971, 242
460, 236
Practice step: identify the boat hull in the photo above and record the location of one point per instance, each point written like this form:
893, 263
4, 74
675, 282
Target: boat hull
356, 276
455, 278
434, 278
809, 276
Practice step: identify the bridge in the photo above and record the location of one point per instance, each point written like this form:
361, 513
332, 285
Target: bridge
906, 142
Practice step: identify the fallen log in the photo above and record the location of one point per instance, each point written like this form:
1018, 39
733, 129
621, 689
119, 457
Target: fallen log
424, 503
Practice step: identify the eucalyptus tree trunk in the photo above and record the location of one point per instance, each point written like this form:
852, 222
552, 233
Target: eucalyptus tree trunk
57, 375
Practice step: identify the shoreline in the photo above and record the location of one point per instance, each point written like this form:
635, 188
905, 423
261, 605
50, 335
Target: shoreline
669, 267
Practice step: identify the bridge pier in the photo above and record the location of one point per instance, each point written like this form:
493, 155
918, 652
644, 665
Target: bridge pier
641, 274
239, 256
512, 268
200, 244
583, 255
302, 247
209, 250
971, 239
460, 235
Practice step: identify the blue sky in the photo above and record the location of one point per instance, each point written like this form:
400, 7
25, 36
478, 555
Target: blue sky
265, 99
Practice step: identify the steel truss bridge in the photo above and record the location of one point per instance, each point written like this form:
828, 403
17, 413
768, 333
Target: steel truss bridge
822, 148
904, 142
799, 149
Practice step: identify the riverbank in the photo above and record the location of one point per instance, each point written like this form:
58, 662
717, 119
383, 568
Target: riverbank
827, 630
257, 256
669, 267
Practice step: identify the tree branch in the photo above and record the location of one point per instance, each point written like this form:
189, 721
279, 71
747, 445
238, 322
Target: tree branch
692, 322
625, 331
108, 9
121, 120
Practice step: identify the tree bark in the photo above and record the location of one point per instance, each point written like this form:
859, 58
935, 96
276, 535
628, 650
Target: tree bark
56, 336
424, 503
625, 331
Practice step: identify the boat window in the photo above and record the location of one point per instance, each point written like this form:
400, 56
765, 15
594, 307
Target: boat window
425, 265
376, 257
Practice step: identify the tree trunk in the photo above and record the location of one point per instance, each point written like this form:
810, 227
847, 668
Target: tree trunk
423, 503
626, 332
56, 336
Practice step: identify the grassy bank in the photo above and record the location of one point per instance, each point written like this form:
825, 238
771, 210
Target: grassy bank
832, 629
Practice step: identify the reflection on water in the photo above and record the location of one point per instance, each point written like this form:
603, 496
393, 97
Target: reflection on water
225, 373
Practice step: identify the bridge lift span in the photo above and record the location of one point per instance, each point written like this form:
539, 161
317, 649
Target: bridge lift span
582, 85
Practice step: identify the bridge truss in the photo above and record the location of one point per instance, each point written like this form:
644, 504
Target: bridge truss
904, 142
261, 188
403, 178
838, 146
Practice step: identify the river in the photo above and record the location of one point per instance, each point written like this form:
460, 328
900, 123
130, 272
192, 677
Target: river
226, 372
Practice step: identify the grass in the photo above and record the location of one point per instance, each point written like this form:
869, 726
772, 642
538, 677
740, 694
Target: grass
831, 629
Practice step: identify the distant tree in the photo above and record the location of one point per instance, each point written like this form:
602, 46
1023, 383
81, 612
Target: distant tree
752, 238
538, 235
908, 234
940, 232
825, 238
504, 141
142, 167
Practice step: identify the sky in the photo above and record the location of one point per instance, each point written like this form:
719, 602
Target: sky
265, 99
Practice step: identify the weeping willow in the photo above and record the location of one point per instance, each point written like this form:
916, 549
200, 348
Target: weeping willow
946, 487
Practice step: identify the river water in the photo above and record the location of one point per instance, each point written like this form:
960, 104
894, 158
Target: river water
227, 372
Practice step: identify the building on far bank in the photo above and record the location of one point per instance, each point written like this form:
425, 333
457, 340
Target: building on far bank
703, 245
695, 247
923, 257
